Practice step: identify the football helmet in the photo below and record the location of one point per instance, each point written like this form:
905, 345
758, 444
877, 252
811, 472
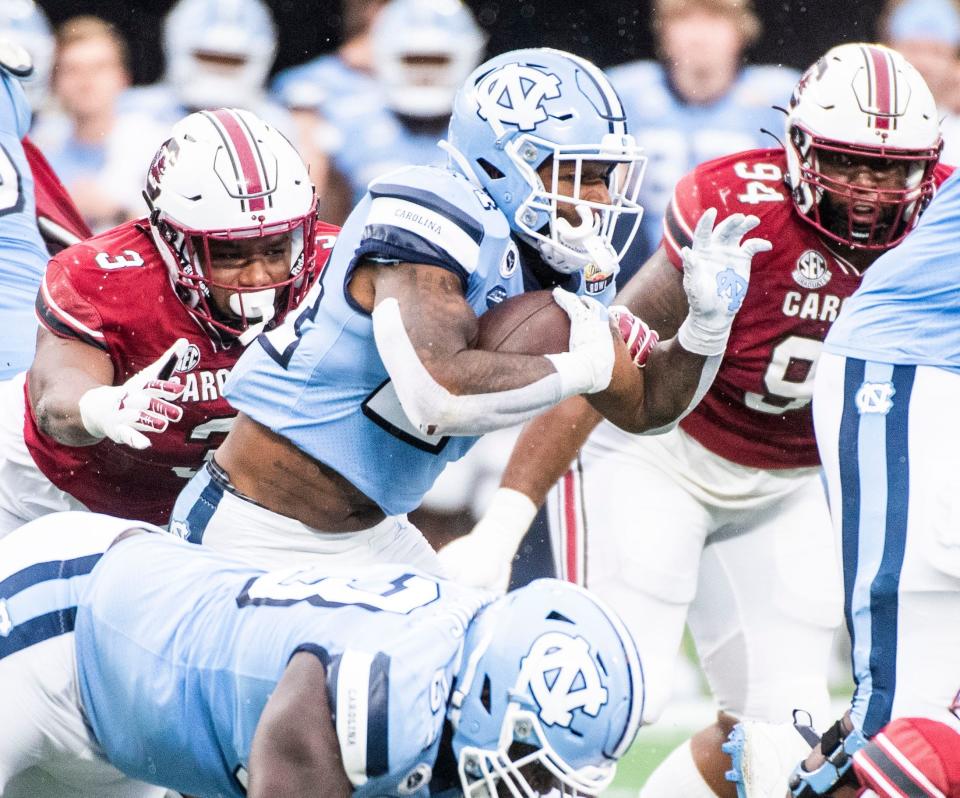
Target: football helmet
227, 175
422, 51
241, 33
24, 23
522, 108
862, 103
549, 694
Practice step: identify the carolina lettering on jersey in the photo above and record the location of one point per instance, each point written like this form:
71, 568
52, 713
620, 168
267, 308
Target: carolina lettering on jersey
757, 413
113, 292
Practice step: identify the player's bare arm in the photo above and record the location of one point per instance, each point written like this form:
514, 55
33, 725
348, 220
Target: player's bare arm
76, 403
441, 326
424, 327
63, 370
295, 751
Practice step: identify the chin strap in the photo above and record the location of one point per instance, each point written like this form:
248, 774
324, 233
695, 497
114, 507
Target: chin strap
838, 746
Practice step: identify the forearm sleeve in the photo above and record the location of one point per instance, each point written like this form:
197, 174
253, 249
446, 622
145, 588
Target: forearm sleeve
436, 411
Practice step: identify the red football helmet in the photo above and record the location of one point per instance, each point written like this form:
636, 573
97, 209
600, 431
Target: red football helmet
226, 175
862, 107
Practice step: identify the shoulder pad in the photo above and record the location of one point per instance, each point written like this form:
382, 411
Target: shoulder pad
15, 59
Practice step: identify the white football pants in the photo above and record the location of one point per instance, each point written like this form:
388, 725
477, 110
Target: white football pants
668, 532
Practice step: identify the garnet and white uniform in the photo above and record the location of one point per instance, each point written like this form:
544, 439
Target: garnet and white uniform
727, 525
113, 292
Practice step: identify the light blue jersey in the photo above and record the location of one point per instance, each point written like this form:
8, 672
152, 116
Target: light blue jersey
677, 136
179, 648
23, 256
907, 309
370, 140
318, 380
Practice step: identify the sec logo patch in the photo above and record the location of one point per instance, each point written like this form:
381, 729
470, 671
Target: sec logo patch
811, 270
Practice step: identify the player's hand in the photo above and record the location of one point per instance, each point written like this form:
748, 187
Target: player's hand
716, 273
588, 365
483, 557
638, 337
142, 404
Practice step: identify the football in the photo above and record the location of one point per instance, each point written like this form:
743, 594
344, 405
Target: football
526, 324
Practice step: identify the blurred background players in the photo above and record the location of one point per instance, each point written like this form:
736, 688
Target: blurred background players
725, 522
697, 101
218, 53
927, 34
142, 323
100, 154
177, 665
420, 52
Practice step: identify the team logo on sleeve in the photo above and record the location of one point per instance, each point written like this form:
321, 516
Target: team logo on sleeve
811, 270
514, 95
562, 677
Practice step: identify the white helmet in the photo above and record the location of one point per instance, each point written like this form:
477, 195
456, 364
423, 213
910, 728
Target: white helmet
23, 22
227, 175
862, 102
241, 32
422, 52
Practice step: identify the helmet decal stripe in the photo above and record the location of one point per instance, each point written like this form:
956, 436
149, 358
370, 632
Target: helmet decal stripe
242, 148
881, 80
262, 165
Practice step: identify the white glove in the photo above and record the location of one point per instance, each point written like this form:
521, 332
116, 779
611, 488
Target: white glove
588, 365
483, 557
716, 273
586, 244
122, 412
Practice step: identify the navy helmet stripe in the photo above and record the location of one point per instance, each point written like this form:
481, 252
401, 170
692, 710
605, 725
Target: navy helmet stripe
891, 770
378, 708
884, 591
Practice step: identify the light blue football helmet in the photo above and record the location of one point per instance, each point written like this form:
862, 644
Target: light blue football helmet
24, 23
549, 695
240, 31
422, 51
516, 111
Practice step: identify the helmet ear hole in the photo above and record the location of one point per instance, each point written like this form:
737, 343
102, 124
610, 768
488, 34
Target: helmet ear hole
485, 693
492, 172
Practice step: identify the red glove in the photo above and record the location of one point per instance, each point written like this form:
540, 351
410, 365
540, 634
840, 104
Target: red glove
638, 337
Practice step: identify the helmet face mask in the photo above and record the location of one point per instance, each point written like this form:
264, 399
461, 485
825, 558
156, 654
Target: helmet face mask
226, 176
523, 108
547, 702
863, 141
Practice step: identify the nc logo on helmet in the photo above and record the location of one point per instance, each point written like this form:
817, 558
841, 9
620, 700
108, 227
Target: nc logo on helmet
562, 677
513, 95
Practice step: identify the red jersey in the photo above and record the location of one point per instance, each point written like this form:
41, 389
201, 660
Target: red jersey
757, 413
113, 292
59, 220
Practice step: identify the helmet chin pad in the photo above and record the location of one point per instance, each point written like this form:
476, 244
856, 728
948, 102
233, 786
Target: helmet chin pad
254, 305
